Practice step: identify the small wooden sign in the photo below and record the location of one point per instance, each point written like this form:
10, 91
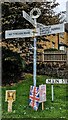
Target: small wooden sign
10, 98
42, 93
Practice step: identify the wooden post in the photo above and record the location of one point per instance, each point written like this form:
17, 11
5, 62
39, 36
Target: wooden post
10, 105
43, 56
42, 105
10, 98
67, 57
58, 40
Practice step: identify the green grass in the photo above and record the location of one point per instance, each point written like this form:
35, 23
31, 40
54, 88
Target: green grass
21, 109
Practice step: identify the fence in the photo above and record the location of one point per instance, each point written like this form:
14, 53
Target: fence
49, 56
52, 56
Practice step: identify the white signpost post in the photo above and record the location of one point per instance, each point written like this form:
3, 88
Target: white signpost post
55, 81
37, 10
67, 11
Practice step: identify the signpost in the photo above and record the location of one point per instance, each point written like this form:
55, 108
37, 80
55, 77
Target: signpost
55, 81
39, 30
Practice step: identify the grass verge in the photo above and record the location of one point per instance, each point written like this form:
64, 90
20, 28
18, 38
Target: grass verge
52, 110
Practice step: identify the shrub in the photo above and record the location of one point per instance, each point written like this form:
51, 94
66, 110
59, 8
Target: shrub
12, 66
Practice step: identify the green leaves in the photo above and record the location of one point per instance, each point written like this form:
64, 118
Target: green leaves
12, 66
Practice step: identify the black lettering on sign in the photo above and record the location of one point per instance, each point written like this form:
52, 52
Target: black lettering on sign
10, 33
18, 33
21, 33
57, 81
57, 28
63, 81
49, 81
67, 81
52, 81
26, 32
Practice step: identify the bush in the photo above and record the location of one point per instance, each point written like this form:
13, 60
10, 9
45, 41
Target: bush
12, 66
29, 68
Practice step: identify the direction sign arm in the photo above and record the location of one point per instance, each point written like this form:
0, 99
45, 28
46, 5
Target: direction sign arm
28, 18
